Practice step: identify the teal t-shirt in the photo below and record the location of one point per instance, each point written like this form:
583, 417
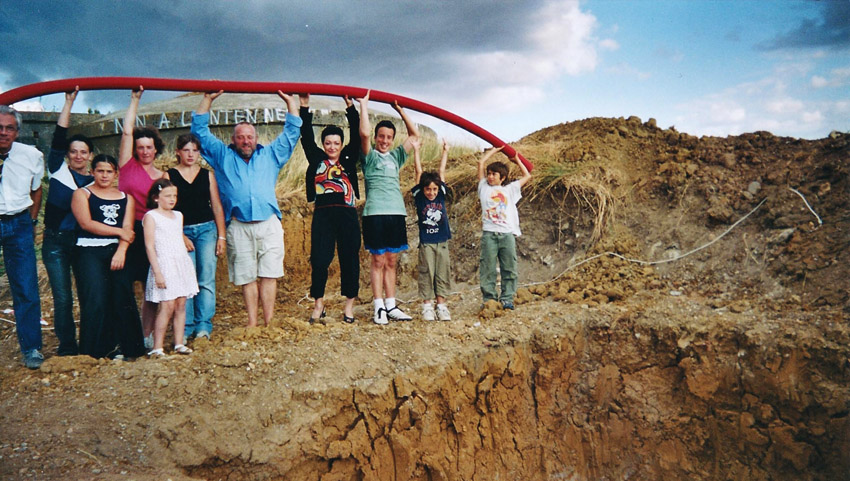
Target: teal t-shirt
383, 192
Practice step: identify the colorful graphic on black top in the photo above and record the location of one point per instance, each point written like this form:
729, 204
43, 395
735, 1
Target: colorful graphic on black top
332, 178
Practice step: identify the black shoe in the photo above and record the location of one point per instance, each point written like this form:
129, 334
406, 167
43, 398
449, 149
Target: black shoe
347, 320
313, 320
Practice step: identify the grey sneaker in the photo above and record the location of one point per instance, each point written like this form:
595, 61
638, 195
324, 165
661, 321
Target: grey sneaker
508, 305
443, 313
33, 359
428, 312
201, 334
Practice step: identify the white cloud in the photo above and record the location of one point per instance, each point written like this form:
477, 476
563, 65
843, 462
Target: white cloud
29, 106
625, 69
561, 43
609, 44
819, 82
784, 105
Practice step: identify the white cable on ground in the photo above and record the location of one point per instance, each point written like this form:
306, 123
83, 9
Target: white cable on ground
820, 223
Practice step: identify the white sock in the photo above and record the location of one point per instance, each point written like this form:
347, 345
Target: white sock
441, 305
390, 302
379, 304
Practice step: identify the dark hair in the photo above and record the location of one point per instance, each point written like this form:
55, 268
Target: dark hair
427, 178
104, 158
156, 188
80, 138
187, 139
499, 168
387, 124
149, 133
332, 130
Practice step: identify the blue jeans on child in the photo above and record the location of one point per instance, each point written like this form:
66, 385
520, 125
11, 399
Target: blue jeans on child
57, 251
18, 247
201, 308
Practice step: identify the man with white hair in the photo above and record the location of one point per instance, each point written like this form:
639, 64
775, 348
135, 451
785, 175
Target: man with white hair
21, 170
247, 173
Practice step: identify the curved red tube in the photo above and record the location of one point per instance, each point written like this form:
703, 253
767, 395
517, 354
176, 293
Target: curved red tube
188, 85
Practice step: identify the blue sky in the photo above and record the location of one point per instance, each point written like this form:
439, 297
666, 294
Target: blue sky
705, 67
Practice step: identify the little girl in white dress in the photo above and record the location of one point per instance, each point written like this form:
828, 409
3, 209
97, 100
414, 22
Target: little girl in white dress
171, 278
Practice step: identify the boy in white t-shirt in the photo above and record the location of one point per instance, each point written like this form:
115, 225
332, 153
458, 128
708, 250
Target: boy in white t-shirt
500, 223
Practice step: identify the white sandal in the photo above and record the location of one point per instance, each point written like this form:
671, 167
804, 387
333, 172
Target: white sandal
181, 349
156, 353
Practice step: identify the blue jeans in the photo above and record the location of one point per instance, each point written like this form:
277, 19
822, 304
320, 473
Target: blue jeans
201, 308
18, 246
57, 251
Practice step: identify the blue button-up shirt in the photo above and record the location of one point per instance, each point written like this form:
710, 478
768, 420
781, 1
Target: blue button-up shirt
247, 189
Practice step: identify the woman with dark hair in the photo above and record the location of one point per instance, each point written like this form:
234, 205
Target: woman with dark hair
60, 227
203, 226
139, 148
331, 182
108, 313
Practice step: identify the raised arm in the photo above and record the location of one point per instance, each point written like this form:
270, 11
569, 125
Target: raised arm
206, 101
412, 130
417, 160
312, 151
284, 145
59, 146
365, 125
444, 158
482, 172
212, 149
526, 175
125, 151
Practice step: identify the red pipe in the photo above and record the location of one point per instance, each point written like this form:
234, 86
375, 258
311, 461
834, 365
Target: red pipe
188, 85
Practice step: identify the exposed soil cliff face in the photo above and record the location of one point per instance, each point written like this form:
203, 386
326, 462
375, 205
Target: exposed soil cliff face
730, 363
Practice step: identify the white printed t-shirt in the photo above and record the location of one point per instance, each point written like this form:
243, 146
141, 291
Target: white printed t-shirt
498, 207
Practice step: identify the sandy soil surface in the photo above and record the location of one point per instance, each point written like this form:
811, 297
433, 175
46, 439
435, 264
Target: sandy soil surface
729, 362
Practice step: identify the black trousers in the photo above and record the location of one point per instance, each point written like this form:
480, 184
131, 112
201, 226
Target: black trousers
335, 227
108, 312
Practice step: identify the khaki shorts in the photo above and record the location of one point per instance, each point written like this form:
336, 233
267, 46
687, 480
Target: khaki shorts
254, 249
435, 270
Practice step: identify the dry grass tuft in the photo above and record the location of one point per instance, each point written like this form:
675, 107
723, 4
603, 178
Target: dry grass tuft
589, 183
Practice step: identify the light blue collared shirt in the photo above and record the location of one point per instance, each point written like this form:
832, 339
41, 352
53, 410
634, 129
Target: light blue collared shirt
247, 188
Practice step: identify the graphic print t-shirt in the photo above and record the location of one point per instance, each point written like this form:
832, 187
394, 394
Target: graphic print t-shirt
433, 219
498, 207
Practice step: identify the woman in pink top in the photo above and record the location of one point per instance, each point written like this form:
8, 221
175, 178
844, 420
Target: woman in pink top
139, 148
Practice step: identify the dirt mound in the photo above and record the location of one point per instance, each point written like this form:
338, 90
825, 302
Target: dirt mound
683, 315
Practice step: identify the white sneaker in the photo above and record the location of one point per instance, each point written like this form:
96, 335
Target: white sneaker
397, 314
443, 313
381, 317
428, 312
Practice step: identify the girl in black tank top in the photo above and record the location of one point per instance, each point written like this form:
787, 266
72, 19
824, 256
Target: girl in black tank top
203, 226
109, 317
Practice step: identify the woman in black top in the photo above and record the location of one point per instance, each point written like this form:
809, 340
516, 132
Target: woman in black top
203, 228
332, 183
60, 227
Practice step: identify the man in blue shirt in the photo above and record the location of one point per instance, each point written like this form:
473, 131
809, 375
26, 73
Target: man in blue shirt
247, 173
